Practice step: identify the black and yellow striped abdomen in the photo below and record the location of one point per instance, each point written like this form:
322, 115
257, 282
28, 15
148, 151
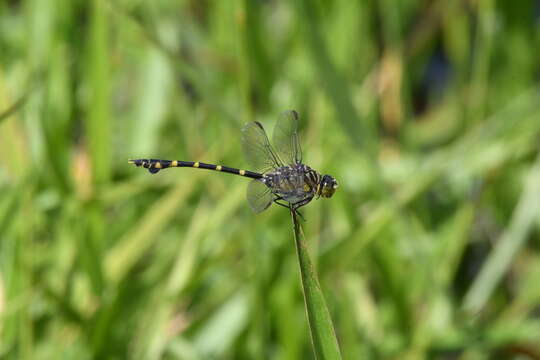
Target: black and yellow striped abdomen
155, 165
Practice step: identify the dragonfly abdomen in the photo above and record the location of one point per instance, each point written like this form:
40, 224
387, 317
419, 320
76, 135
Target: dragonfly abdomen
155, 165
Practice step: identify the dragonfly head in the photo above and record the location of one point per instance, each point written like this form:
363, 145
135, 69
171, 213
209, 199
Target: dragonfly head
328, 186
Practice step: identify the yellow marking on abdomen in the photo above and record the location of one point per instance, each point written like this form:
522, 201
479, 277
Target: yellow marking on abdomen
218, 168
242, 172
196, 164
174, 163
157, 165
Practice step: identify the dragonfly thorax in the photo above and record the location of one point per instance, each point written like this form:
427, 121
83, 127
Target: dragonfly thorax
294, 183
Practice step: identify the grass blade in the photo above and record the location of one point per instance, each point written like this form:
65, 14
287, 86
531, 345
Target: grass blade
500, 260
19, 103
323, 336
332, 81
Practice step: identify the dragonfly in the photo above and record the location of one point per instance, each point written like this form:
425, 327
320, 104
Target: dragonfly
278, 176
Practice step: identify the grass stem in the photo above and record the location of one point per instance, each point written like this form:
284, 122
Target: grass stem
323, 337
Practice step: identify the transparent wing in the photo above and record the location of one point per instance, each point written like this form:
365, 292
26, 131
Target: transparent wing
257, 148
259, 196
285, 138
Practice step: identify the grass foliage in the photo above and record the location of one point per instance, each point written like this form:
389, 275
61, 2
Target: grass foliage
427, 113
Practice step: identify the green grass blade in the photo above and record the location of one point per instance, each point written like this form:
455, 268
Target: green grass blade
98, 125
13, 108
323, 336
509, 244
332, 81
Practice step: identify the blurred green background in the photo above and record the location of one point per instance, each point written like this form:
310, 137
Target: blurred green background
427, 113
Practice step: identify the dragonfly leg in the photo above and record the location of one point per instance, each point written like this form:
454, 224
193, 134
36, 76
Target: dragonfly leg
294, 206
276, 201
288, 206
299, 204
300, 215
281, 204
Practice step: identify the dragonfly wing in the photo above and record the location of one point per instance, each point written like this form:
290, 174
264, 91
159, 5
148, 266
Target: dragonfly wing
259, 196
285, 138
257, 148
